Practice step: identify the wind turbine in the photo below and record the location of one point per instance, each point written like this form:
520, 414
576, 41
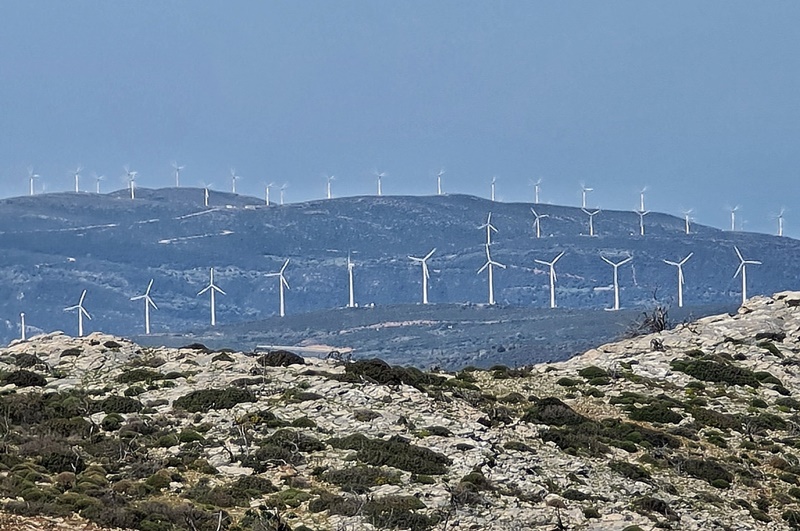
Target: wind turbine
206, 193
350, 266
616, 277
234, 178
780, 221
591, 214
489, 228
283, 190
330, 178
147, 303
77, 174
536, 185
743, 270
177, 174
494, 180
22, 331
679, 265
489, 265
425, 273
642, 214
380, 175
552, 277
641, 199
31, 177
439, 182
281, 282
81, 312
131, 175
210, 288
266, 192
584, 191
686, 219
537, 223
733, 217
97, 179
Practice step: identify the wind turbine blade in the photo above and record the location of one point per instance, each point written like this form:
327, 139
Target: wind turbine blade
149, 286
425, 270
430, 254
84, 312
557, 258
687, 258
676, 264
204, 290
83, 296
541, 262
606, 260
151, 303
138, 297
481, 270
284, 282
218, 289
739, 269
625, 261
738, 253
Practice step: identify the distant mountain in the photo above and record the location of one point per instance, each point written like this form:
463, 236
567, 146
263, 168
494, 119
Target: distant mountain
56, 245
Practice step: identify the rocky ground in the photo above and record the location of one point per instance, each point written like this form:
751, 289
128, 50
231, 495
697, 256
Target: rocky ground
694, 428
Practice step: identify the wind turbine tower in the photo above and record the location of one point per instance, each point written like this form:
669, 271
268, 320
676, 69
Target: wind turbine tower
584, 191
97, 179
281, 283
81, 312
489, 228
743, 270
536, 188
489, 265
679, 265
494, 181
537, 225
350, 265
642, 214
641, 199
266, 193
686, 219
780, 222
177, 174
283, 191
439, 182
330, 179
425, 273
148, 302
591, 214
131, 175
380, 176
22, 331
616, 277
205, 194
77, 174
733, 217
234, 178
32, 177
553, 279
211, 288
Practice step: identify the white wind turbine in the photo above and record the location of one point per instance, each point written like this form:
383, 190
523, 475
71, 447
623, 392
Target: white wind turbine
733, 217
642, 214
780, 221
283, 191
206, 193
31, 177
234, 178
553, 279
77, 174
131, 176
81, 312
350, 265
22, 330
281, 283
266, 192
211, 288
616, 277
97, 179
425, 273
330, 178
584, 191
641, 199
177, 174
148, 302
591, 214
537, 225
679, 265
686, 219
743, 270
439, 182
536, 187
489, 228
490, 265
380, 175
494, 181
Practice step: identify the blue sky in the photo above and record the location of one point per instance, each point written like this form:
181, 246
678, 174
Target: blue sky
699, 101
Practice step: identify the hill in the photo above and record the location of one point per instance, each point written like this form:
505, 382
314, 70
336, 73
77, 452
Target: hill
56, 245
690, 429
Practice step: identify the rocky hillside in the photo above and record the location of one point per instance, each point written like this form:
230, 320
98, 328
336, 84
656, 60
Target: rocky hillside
695, 428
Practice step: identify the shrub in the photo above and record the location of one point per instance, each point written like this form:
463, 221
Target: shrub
717, 372
335, 505
25, 360
565, 381
139, 375
25, 378
280, 358
591, 512
205, 400
187, 436
592, 371
359, 479
396, 452
119, 404
378, 371
518, 446
658, 412
223, 356
706, 469
630, 471
397, 512
649, 504
553, 412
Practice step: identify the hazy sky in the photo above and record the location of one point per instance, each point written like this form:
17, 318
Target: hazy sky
700, 101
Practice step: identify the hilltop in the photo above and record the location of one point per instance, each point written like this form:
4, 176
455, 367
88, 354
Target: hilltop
56, 245
694, 428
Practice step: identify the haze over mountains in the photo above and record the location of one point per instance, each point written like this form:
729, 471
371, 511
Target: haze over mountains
56, 245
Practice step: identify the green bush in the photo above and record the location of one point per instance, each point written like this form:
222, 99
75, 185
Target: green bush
25, 378
717, 372
359, 479
378, 371
553, 412
139, 375
396, 452
397, 512
566, 381
119, 404
280, 358
630, 470
707, 470
205, 400
658, 413
591, 372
